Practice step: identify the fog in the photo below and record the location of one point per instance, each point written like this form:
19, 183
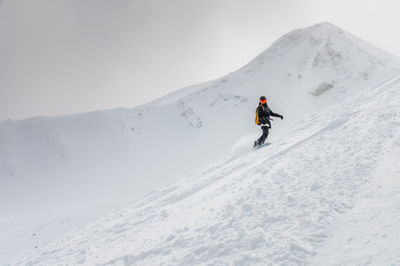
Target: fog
68, 56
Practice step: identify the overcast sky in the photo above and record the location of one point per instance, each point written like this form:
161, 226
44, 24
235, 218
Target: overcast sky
69, 56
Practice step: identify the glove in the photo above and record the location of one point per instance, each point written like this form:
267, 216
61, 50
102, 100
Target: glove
281, 117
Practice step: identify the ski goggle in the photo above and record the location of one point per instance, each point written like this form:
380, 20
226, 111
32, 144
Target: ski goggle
263, 101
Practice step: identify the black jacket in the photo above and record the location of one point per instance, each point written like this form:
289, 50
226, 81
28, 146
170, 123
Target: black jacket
264, 113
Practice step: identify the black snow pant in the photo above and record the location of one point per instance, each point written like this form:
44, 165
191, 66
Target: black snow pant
264, 136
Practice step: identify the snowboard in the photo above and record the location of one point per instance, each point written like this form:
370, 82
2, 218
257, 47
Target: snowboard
262, 145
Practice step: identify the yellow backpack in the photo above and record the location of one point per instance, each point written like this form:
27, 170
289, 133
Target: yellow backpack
257, 118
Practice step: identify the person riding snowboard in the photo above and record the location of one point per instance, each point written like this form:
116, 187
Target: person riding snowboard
263, 114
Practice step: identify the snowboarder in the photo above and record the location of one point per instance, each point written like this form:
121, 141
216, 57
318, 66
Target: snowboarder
263, 113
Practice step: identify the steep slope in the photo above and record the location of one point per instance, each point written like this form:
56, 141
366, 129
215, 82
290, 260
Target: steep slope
290, 203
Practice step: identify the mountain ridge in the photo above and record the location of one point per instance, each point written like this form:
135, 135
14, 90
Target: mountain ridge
321, 30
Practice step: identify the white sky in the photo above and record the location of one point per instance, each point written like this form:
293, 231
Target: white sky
68, 56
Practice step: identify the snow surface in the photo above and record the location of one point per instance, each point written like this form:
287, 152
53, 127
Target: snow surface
52, 166
326, 193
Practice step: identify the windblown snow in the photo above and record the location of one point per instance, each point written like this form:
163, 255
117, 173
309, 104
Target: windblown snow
332, 167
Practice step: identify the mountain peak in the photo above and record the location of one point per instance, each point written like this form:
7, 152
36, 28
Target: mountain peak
323, 27
313, 35
324, 54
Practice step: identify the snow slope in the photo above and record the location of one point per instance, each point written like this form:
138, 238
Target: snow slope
325, 193
127, 152
58, 164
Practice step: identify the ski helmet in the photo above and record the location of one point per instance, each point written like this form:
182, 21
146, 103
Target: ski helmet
263, 99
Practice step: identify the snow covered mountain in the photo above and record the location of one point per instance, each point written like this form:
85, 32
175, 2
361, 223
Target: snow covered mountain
326, 193
131, 151
49, 163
